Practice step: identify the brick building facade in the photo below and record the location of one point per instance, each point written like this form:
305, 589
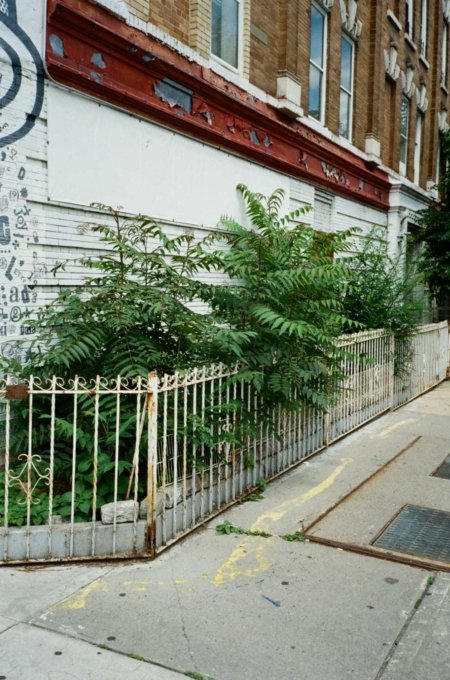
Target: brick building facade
164, 106
397, 51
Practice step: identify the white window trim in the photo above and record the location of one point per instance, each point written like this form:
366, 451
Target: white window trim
444, 55
240, 51
323, 92
410, 18
438, 163
402, 167
423, 28
351, 92
418, 148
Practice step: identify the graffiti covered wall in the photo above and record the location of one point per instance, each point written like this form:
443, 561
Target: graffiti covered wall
22, 87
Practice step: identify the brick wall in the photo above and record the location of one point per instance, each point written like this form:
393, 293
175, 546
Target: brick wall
200, 26
426, 71
171, 16
140, 8
276, 39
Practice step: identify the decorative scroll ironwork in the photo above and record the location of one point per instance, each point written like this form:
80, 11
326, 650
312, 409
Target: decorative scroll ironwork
29, 477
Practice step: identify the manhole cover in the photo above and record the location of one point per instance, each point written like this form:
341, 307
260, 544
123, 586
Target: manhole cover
418, 531
443, 470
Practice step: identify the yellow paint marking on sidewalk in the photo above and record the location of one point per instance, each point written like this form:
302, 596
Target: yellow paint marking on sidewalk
278, 513
251, 550
79, 600
245, 553
392, 428
137, 586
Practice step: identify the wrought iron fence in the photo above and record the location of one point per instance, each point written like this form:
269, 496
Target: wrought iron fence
425, 362
95, 469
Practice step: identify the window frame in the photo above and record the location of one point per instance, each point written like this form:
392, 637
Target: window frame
350, 93
409, 18
404, 138
444, 55
321, 118
418, 135
240, 41
423, 42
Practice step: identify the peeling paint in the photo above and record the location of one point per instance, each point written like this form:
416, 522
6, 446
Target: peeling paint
97, 77
174, 94
57, 45
254, 137
97, 59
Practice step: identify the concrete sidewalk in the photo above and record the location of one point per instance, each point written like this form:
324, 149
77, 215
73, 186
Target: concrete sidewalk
234, 607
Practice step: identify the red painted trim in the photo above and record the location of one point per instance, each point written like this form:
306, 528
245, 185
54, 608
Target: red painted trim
132, 63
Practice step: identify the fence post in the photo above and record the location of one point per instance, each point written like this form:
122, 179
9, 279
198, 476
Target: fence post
152, 454
391, 378
326, 428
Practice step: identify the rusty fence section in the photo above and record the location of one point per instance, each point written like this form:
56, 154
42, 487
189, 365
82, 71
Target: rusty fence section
123, 468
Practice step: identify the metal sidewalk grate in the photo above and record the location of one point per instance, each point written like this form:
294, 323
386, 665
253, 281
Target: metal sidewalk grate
423, 532
443, 470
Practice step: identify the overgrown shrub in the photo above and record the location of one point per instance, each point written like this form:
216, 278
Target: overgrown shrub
382, 289
434, 233
134, 310
382, 293
279, 311
286, 295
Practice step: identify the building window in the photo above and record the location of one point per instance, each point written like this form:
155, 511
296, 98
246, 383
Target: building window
423, 28
444, 55
409, 17
225, 31
404, 127
346, 89
417, 148
317, 65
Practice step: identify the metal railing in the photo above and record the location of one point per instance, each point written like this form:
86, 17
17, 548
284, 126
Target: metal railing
95, 469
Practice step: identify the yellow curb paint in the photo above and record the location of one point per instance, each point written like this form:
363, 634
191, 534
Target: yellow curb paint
78, 601
392, 428
253, 552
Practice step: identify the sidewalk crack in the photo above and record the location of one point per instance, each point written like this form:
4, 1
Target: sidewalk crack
183, 623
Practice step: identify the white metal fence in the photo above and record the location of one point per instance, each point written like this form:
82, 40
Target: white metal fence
123, 468
426, 362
